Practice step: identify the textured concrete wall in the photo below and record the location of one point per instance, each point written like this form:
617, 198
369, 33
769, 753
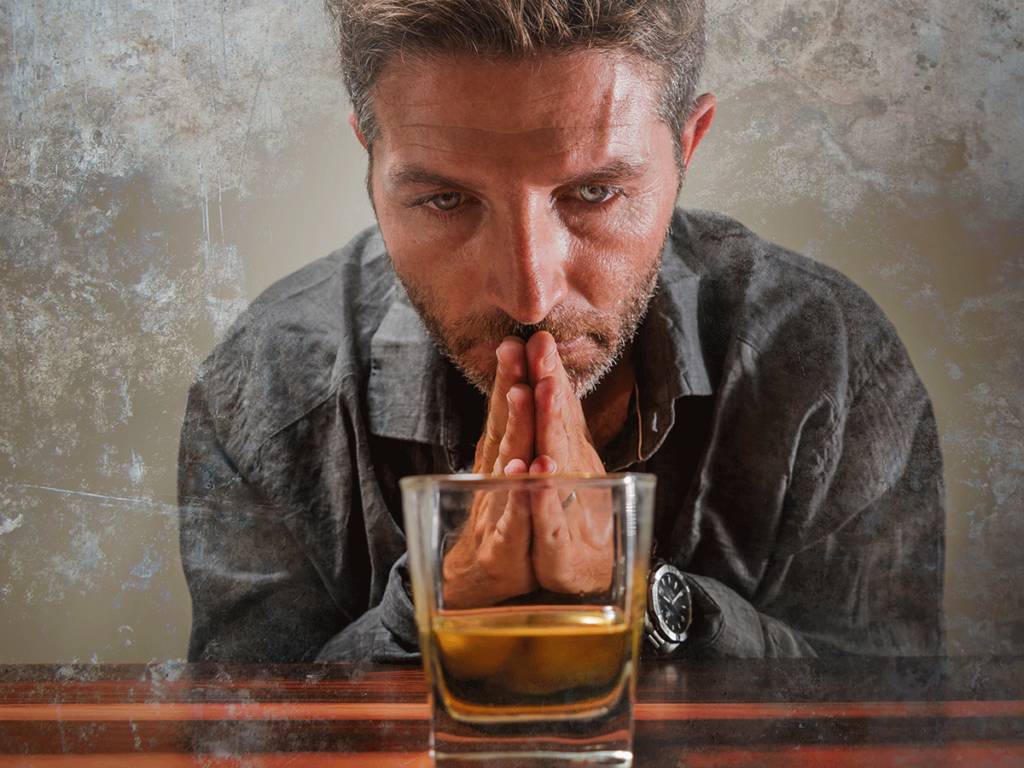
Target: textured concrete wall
162, 162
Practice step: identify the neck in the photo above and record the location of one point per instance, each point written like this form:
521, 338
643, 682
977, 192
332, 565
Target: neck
607, 407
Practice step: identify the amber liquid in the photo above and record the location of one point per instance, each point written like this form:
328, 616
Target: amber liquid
530, 661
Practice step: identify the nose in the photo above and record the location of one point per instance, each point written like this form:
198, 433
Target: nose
526, 276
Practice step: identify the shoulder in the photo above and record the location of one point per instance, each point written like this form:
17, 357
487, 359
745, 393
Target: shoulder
765, 293
296, 345
718, 247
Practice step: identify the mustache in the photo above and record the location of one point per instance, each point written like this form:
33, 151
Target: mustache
494, 325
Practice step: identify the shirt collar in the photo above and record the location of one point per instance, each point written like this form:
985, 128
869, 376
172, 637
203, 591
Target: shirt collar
671, 359
414, 392
668, 356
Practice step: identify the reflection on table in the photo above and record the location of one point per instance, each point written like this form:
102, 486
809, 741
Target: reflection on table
849, 712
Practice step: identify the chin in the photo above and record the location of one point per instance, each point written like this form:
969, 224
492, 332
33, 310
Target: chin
585, 382
588, 362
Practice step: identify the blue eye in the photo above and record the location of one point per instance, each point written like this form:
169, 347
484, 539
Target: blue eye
446, 201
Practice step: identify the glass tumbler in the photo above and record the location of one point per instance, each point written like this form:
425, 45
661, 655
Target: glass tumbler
530, 597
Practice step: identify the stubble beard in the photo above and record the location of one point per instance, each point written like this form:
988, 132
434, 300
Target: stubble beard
610, 333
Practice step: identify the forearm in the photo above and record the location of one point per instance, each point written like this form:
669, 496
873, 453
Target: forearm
256, 595
727, 626
385, 634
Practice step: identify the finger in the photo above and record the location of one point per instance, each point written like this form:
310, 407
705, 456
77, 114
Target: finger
548, 519
561, 428
542, 359
511, 370
491, 561
517, 442
573, 549
507, 550
543, 465
545, 505
557, 429
514, 528
502, 512
554, 558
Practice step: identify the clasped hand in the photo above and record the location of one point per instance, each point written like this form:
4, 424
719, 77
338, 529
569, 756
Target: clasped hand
515, 543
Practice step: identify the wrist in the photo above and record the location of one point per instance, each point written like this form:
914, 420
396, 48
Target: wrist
668, 621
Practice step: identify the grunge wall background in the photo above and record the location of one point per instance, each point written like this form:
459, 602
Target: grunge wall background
163, 161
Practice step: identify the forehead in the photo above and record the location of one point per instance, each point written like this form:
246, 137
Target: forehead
488, 107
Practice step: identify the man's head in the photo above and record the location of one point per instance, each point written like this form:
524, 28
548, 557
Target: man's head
521, 186
666, 34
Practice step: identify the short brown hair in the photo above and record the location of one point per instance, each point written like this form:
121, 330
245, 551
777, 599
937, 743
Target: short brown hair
668, 34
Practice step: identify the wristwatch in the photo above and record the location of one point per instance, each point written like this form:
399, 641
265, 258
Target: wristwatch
669, 609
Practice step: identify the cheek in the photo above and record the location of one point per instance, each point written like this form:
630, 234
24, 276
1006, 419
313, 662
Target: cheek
646, 229
610, 272
431, 250
630, 240
412, 252
431, 270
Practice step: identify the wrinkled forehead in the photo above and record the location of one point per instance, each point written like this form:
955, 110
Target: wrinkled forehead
553, 91
559, 110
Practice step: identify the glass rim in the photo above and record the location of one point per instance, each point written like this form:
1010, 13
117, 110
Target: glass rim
481, 482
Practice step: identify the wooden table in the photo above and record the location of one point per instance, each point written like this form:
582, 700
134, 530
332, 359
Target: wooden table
864, 713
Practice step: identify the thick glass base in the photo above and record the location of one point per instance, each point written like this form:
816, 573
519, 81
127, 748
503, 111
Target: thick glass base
601, 741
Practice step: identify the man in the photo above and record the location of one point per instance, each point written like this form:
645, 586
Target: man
532, 302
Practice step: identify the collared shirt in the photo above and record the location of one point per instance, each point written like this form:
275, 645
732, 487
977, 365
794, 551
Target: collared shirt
799, 473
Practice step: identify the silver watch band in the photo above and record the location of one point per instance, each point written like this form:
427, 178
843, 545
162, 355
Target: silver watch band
661, 644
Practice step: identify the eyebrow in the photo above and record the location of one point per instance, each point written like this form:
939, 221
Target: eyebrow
618, 170
420, 176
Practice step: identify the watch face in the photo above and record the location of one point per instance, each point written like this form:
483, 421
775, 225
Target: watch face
671, 605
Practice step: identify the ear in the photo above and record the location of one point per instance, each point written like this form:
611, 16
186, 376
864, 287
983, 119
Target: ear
697, 124
355, 127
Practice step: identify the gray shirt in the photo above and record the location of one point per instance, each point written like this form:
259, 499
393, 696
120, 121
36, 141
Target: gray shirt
799, 473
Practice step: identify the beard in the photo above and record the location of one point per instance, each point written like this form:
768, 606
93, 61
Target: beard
608, 333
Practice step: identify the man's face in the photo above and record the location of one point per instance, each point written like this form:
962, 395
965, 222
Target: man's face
516, 197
